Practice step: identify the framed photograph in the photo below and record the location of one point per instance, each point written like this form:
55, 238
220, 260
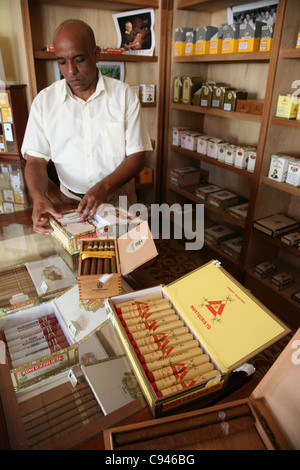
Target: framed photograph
135, 31
112, 69
264, 11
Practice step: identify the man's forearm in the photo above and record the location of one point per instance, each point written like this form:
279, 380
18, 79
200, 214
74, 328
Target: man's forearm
36, 176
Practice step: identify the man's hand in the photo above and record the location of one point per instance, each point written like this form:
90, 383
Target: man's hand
95, 196
41, 208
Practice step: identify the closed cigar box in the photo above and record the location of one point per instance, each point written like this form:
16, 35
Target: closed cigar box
215, 43
215, 311
232, 247
230, 33
231, 97
29, 284
217, 234
212, 147
282, 280
287, 106
190, 39
102, 262
291, 239
206, 95
185, 175
179, 41
293, 173
204, 191
223, 199
189, 86
266, 420
249, 106
177, 90
265, 269
218, 96
266, 39
275, 225
240, 211
203, 36
249, 37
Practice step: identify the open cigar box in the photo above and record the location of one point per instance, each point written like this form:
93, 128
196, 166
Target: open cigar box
222, 323
34, 282
267, 420
116, 257
65, 406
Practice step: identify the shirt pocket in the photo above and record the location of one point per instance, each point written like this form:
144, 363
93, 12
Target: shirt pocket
114, 139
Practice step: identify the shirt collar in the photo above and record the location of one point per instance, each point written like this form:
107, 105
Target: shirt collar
67, 92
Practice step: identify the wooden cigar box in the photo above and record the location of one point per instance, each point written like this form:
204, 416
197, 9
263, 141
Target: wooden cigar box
225, 320
267, 420
33, 282
129, 251
75, 324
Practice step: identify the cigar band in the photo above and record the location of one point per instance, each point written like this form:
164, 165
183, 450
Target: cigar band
97, 254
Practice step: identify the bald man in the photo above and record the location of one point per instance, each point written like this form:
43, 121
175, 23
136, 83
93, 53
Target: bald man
90, 126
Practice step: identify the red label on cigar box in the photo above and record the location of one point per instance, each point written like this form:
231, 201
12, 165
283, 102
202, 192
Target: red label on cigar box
227, 322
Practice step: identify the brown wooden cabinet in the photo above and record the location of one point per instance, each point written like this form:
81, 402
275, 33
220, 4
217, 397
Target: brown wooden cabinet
264, 75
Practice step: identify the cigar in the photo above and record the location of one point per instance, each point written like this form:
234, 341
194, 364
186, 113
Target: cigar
34, 347
148, 318
165, 343
159, 337
143, 309
175, 379
93, 269
17, 331
178, 368
169, 352
152, 325
106, 268
113, 266
188, 383
87, 261
133, 336
172, 360
38, 354
142, 300
46, 333
100, 260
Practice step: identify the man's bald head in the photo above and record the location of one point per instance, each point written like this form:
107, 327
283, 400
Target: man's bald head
77, 28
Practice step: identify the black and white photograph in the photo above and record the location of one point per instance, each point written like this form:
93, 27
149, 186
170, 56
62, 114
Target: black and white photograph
263, 11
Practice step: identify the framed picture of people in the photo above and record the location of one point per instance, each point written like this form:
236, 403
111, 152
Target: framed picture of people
135, 31
263, 11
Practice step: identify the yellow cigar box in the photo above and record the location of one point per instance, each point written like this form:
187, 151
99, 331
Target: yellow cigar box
267, 419
287, 106
229, 324
145, 176
203, 36
33, 282
190, 43
179, 42
249, 37
230, 34
129, 251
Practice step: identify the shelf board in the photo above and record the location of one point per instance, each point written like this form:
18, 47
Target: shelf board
290, 123
203, 158
188, 192
208, 5
217, 112
230, 57
118, 5
281, 186
290, 53
50, 55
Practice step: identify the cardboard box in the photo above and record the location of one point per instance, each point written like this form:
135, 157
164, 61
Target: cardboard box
231, 97
230, 34
282, 281
291, 239
232, 247
251, 160
127, 253
34, 282
275, 225
206, 95
203, 36
215, 43
268, 419
222, 149
266, 39
185, 175
279, 167
249, 37
265, 269
204, 191
223, 199
199, 301
179, 43
218, 96
176, 135
177, 90
147, 93
250, 106
241, 157
190, 40
202, 144
293, 173
217, 234
287, 106
189, 86
212, 147
230, 154
191, 141
145, 176
76, 324
240, 211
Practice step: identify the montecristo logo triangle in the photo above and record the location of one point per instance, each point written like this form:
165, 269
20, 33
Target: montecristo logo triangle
216, 307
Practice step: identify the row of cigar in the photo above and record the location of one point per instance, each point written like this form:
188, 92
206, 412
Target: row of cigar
32, 340
167, 351
105, 264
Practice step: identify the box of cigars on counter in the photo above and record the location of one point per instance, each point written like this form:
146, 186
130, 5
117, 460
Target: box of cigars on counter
185, 339
102, 262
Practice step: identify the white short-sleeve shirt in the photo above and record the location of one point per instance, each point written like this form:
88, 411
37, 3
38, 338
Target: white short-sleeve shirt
86, 140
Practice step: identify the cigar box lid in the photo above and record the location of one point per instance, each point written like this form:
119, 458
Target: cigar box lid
136, 247
231, 324
276, 398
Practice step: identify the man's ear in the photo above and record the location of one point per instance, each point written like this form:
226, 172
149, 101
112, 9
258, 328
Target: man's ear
97, 52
